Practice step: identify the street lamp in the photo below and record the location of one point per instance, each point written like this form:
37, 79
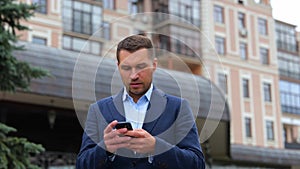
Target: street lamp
51, 118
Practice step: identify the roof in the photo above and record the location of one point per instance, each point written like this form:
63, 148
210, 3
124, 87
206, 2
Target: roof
262, 155
96, 77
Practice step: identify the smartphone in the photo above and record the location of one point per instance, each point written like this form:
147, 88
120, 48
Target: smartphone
124, 125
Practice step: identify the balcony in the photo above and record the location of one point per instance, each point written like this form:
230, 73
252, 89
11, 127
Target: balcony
290, 109
295, 146
291, 74
175, 18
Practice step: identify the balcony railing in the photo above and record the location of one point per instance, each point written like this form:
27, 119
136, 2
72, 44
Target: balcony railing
179, 18
290, 74
292, 146
290, 109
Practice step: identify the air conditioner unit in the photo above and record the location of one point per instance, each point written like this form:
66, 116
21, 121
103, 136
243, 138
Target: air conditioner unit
243, 32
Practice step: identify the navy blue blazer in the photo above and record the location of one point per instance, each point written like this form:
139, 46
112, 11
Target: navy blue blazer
168, 118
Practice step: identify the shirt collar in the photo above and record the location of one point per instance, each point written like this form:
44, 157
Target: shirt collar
147, 94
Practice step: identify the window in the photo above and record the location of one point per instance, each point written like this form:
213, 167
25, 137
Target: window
290, 97
106, 31
187, 9
108, 4
286, 37
135, 6
81, 17
289, 65
222, 81
184, 41
267, 92
218, 14
262, 26
246, 88
270, 130
243, 51
241, 21
164, 42
39, 40
220, 45
82, 45
248, 127
42, 6
264, 56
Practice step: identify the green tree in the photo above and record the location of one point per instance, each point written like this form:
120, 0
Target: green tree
15, 152
14, 74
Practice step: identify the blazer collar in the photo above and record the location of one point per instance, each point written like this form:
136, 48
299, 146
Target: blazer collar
155, 108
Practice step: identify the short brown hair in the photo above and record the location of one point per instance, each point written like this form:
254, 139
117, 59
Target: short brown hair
133, 43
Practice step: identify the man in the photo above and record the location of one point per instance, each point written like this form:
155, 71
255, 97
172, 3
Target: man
164, 133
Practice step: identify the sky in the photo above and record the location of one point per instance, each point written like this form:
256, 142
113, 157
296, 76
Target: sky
287, 11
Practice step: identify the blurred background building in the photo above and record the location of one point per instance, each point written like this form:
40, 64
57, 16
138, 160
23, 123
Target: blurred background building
232, 46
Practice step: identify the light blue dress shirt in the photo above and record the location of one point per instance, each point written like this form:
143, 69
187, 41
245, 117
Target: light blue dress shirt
135, 112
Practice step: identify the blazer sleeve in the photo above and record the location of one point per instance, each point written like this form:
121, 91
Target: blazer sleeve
92, 153
186, 152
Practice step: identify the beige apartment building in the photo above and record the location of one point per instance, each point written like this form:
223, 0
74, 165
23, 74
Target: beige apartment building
251, 60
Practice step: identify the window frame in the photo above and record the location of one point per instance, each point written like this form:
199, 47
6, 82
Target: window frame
38, 39
218, 14
220, 45
242, 20
108, 4
267, 88
223, 82
248, 127
42, 6
264, 56
246, 90
262, 26
82, 17
270, 130
243, 51
87, 43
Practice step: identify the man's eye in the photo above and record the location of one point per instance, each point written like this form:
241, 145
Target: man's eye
125, 67
142, 66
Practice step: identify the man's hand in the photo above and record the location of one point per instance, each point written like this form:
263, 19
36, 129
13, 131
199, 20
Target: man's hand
113, 139
141, 142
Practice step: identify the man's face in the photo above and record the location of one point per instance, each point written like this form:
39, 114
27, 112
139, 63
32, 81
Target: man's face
136, 70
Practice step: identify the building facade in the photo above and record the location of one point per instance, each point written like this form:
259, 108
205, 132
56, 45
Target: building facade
289, 69
243, 32
236, 44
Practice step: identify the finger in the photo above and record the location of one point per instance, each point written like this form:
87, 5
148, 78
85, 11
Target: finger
114, 133
110, 126
117, 146
122, 131
118, 140
135, 133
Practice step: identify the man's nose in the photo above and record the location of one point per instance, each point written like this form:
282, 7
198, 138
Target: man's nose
134, 74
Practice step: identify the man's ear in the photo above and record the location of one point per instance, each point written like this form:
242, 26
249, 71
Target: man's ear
154, 63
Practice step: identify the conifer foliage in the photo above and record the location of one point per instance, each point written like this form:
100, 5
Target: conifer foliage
14, 74
15, 152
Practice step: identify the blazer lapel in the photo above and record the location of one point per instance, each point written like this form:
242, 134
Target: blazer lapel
156, 107
119, 113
